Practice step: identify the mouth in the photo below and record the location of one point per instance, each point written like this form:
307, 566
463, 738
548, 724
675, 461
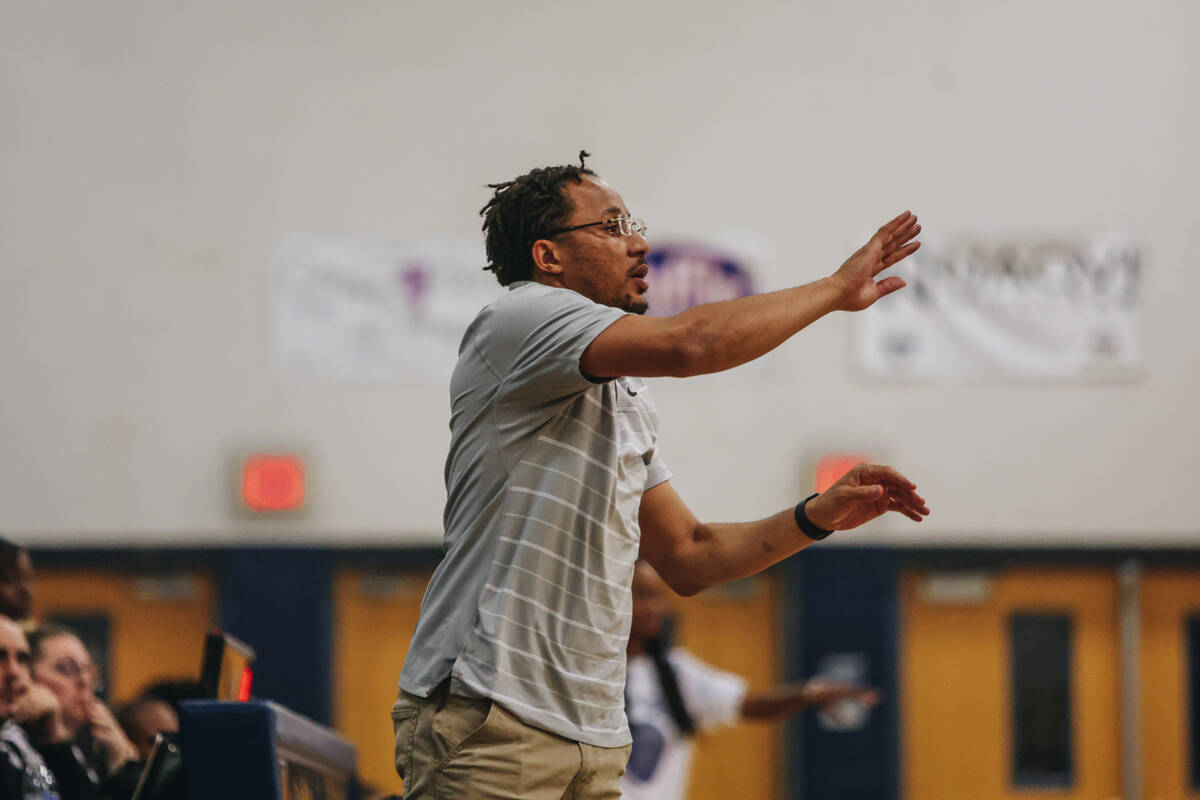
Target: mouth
639, 274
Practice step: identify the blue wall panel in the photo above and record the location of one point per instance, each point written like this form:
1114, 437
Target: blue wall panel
278, 600
843, 602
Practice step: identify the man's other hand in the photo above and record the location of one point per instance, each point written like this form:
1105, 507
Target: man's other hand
865, 492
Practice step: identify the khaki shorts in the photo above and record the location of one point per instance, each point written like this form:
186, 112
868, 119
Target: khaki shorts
464, 748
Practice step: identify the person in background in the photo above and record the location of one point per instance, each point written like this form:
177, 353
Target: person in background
145, 717
175, 691
16, 581
670, 695
23, 773
93, 739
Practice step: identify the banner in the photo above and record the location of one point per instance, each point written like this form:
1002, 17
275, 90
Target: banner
1033, 310
374, 311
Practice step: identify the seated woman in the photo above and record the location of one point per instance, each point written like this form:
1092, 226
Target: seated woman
90, 736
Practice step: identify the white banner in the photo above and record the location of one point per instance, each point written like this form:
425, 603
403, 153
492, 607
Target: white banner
1032, 310
375, 311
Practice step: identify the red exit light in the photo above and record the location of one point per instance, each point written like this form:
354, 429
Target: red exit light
273, 482
833, 466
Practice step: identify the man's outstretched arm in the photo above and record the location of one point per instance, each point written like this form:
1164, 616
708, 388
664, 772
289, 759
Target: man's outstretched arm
718, 336
691, 555
779, 702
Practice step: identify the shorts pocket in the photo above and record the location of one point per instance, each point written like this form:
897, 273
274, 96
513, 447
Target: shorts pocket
404, 723
460, 720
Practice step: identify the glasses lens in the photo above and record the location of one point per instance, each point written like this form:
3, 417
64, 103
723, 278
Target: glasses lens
628, 226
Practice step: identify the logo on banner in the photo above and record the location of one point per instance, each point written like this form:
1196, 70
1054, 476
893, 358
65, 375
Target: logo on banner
685, 275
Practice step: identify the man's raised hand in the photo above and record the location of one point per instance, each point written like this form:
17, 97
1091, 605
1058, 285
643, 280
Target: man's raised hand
893, 242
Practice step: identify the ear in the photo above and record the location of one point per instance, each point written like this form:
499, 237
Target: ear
545, 257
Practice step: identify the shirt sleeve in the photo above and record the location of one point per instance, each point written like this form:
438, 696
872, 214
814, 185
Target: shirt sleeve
541, 335
656, 471
712, 697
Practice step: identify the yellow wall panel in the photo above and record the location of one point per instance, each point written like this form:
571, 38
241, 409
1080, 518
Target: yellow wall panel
734, 628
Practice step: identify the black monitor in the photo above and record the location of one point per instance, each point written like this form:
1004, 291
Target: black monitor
227, 670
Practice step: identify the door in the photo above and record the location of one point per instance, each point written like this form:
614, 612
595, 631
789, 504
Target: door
1010, 686
375, 614
1170, 672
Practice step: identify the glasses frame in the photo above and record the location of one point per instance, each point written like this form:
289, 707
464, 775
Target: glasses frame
74, 671
625, 225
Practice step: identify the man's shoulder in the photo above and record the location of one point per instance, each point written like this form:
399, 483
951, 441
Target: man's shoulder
529, 306
531, 296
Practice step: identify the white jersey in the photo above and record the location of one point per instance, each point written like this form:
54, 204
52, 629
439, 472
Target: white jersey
662, 756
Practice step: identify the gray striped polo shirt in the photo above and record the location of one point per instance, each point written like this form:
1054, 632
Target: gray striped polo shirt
531, 604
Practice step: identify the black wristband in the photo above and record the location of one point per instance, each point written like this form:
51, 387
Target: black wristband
806, 525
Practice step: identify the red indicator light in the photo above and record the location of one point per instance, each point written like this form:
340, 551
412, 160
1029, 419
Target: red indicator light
243, 694
833, 466
272, 483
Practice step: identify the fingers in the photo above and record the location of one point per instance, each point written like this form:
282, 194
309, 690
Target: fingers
900, 491
880, 473
910, 504
904, 233
871, 492
895, 224
895, 239
889, 285
899, 255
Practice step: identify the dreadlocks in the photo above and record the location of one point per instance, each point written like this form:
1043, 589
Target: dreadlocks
522, 211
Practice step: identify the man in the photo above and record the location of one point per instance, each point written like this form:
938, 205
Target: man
513, 685
670, 695
23, 774
16, 580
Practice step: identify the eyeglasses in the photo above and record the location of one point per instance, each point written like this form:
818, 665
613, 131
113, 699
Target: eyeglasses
617, 226
74, 671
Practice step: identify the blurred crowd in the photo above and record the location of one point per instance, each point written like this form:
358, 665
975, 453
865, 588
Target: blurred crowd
58, 737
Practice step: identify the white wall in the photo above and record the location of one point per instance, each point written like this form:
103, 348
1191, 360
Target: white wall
154, 153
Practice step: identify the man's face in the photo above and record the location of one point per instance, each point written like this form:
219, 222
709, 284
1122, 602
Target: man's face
64, 667
16, 578
650, 605
14, 666
601, 264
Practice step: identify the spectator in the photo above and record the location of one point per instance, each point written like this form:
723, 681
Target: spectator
144, 718
94, 740
16, 580
174, 691
23, 772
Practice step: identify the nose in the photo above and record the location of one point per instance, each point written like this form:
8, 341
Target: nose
639, 245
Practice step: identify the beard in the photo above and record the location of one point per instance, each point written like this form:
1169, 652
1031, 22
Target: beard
635, 304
